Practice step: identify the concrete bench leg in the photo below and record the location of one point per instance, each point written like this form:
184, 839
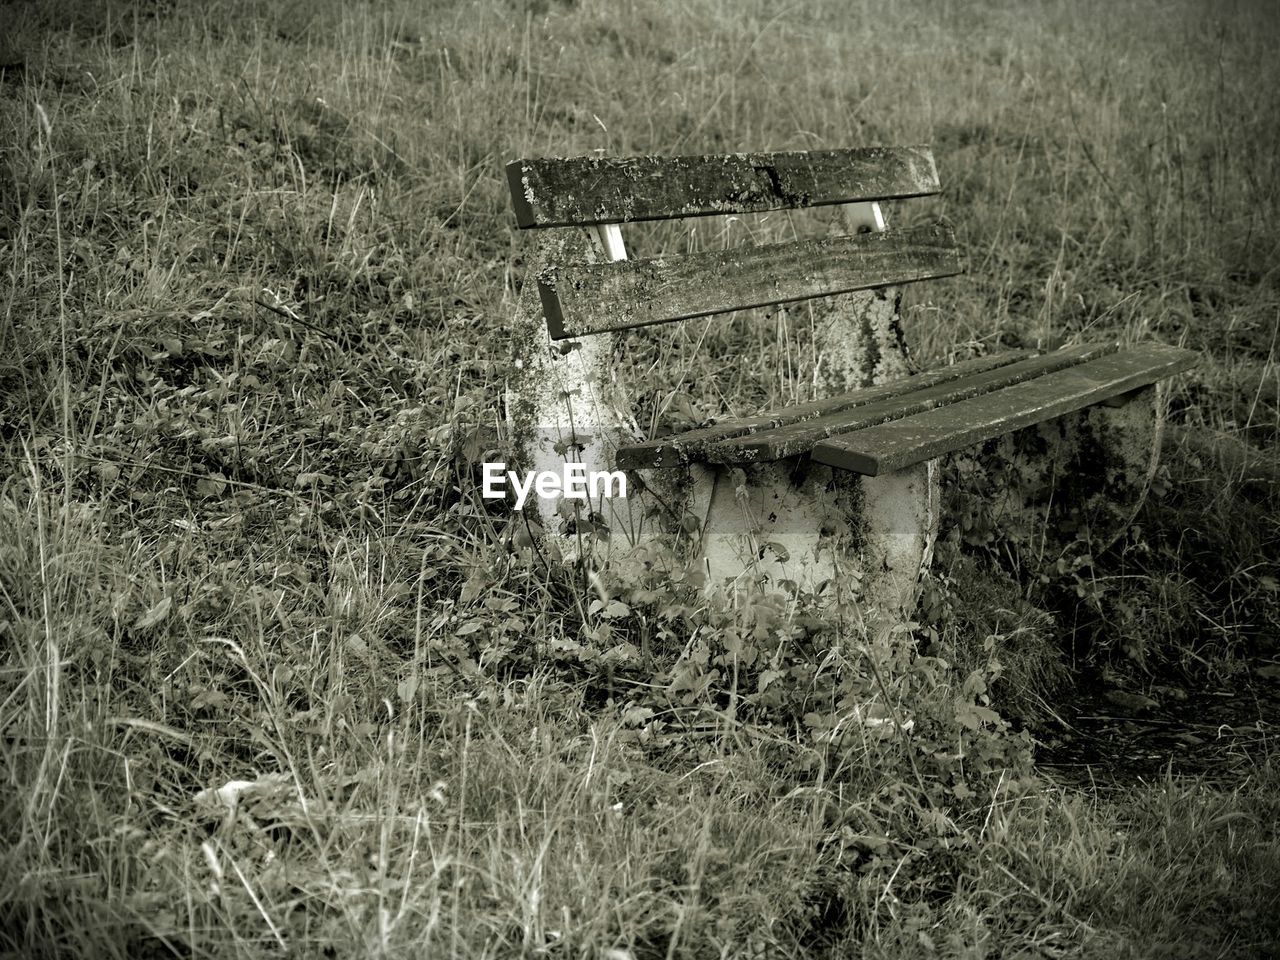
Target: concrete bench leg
1087, 474
850, 539
1127, 435
899, 525
564, 405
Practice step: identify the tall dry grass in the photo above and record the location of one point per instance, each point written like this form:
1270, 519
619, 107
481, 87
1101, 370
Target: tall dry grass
260, 263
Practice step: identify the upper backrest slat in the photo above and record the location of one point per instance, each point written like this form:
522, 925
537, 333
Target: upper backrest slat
581, 191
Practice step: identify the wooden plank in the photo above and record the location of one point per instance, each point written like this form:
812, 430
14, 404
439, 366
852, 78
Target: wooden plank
581, 299
799, 438
561, 192
682, 448
901, 443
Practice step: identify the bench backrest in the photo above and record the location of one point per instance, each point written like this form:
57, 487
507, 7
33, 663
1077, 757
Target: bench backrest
604, 192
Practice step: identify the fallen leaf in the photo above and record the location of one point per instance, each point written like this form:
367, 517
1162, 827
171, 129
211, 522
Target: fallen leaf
154, 615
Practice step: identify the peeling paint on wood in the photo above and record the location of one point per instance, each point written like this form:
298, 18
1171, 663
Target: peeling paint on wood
583, 191
581, 299
900, 443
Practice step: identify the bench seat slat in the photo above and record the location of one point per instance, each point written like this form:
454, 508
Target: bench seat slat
680, 449
901, 443
560, 192
581, 299
800, 438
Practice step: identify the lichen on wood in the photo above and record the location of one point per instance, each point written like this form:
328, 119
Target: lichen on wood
692, 445
583, 191
584, 298
901, 443
799, 438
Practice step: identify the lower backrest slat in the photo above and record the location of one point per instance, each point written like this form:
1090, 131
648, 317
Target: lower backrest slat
581, 299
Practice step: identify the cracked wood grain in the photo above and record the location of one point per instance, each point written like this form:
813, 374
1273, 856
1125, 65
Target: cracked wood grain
680, 449
557, 192
799, 438
581, 299
901, 443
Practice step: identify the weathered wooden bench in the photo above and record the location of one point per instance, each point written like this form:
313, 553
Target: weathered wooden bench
842, 490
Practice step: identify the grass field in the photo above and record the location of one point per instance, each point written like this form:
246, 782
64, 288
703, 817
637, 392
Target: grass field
258, 263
